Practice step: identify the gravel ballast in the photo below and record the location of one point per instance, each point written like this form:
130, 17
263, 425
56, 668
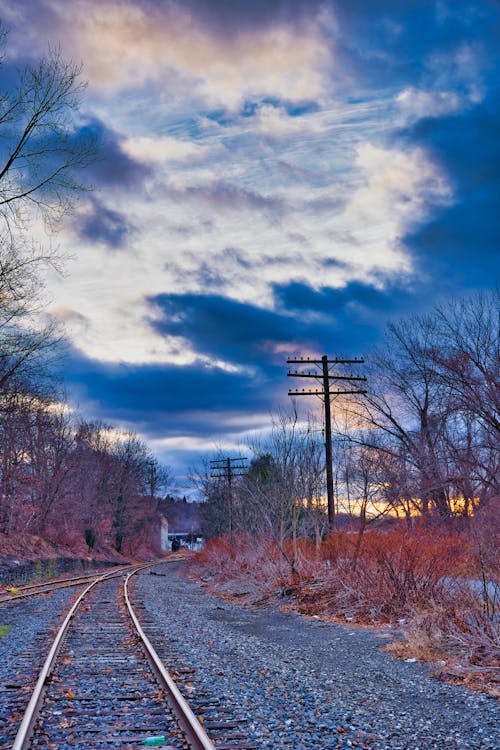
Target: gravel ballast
23, 651
309, 685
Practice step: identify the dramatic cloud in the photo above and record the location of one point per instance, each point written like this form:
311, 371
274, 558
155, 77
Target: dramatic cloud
96, 223
275, 176
165, 401
462, 242
130, 44
222, 329
114, 167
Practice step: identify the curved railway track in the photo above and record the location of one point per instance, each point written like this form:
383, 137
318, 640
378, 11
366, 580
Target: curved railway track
13, 593
222, 719
103, 686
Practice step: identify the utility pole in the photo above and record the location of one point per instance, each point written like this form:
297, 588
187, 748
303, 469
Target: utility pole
227, 468
324, 376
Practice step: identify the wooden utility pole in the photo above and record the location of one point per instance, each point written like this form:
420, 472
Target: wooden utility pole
227, 468
324, 376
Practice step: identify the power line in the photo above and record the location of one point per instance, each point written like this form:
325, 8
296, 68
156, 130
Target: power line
324, 376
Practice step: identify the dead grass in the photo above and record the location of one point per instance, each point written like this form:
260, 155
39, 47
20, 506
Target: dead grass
248, 571
434, 585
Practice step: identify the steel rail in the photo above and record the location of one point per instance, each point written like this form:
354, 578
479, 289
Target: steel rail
59, 583
49, 581
30, 715
193, 730
33, 589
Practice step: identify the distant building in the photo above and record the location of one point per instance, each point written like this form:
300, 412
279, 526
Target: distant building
179, 520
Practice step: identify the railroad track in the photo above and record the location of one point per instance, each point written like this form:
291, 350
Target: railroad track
12, 593
223, 720
103, 686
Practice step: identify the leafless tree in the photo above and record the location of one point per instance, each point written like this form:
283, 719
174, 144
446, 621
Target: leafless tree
468, 355
158, 478
468, 362
409, 404
275, 486
41, 153
14, 510
36, 438
27, 342
282, 494
433, 408
50, 444
311, 481
213, 492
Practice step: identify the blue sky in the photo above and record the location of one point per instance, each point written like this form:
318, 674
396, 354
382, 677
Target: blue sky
276, 178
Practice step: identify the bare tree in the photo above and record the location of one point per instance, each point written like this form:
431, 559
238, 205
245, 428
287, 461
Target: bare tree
433, 408
91, 473
276, 489
36, 439
283, 492
111, 486
468, 363
158, 478
468, 355
409, 404
14, 511
40, 152
51, 441
41, 156
27, 343
311, 481
214, 511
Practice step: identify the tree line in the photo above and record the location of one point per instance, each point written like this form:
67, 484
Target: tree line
61, 477
421, 443
71, 481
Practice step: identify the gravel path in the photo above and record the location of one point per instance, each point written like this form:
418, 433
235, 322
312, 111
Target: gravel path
309, 685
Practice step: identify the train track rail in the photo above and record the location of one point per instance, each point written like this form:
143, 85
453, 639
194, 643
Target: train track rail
12, 593
103, 685
224, 721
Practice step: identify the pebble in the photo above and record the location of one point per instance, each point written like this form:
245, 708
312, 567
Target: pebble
300, 686
23, 651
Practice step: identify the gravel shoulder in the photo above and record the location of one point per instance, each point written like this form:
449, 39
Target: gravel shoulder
303, 684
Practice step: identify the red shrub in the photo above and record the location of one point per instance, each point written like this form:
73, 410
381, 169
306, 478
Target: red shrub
385, 576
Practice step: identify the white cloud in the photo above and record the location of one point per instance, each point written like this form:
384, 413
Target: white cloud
413, 104
403, 182
399, 188
158, 150
213, 241
276, 122
124, 46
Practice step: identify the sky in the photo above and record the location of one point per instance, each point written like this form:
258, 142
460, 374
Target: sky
275, 178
